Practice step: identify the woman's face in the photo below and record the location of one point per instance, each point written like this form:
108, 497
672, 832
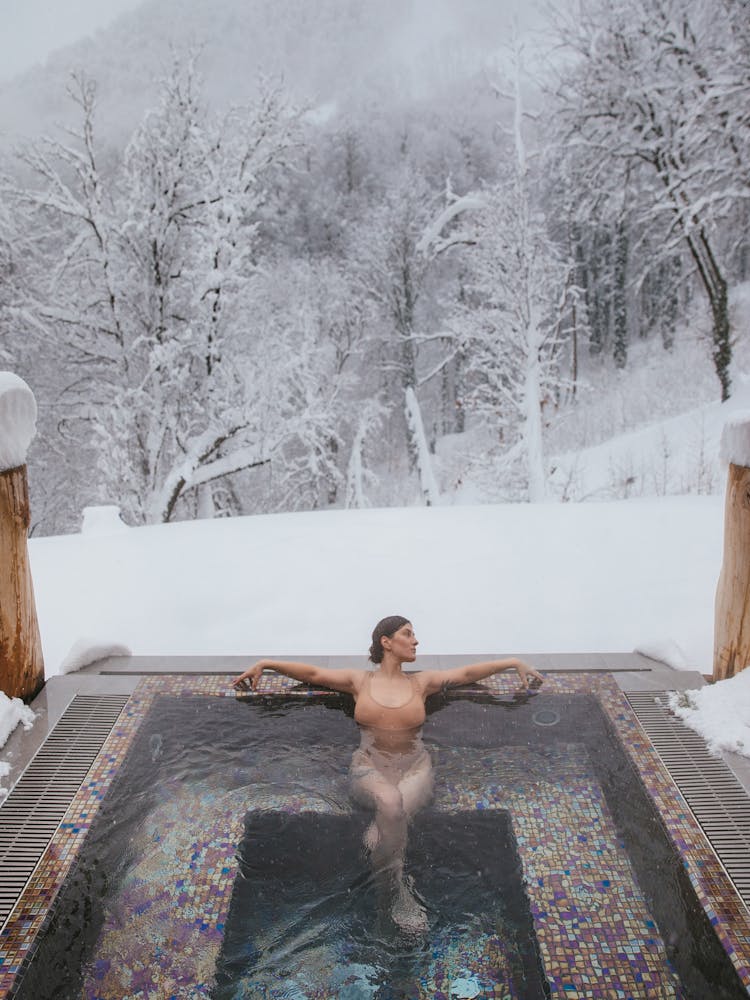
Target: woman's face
403, 644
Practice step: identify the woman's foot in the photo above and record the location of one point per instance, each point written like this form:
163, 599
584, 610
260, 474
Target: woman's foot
407, 912
371, 838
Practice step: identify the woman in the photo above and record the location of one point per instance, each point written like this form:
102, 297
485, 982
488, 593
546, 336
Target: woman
391, 770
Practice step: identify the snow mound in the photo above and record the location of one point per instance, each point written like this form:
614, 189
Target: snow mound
719, 712
735, 439
103, 520
664, 651
87, 651
13, 711
17, 420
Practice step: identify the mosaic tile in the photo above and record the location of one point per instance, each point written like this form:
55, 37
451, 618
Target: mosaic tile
595, 933
580, 884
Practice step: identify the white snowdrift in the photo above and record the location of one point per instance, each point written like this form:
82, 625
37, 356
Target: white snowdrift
664, 651
12, 712
485, 579
86, 650
719, 712
104, 520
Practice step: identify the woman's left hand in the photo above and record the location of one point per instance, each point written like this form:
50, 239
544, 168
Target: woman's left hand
249, 679
529, 677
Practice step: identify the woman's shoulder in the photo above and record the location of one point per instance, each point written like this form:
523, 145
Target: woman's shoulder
359, 675
428, 681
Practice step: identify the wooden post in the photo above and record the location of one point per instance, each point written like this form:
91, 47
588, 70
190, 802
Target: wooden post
21, 663
732, 610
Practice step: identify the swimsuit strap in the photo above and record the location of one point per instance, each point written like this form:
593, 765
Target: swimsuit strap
392, 708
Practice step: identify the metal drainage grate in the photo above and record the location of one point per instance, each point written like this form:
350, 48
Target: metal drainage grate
35, 807
716, 798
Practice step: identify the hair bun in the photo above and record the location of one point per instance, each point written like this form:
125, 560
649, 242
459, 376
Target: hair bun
385, 627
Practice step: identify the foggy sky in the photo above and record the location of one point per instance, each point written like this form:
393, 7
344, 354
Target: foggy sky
31, 29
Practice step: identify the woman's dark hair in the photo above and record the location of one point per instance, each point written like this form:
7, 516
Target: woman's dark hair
386, 626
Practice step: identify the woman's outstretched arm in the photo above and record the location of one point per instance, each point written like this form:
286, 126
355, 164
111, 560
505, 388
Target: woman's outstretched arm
435, 680
338, 680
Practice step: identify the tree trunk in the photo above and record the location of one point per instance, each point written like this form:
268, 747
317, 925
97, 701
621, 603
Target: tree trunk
716, 288
619, 296
532, 425
427, 481
732, 611
21, 663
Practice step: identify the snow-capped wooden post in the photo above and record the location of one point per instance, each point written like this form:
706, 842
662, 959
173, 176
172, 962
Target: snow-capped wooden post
21, 663
732, 612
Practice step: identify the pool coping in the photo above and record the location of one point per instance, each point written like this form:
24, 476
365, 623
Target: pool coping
711, 883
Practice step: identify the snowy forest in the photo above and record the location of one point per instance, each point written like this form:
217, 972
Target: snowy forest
391, 294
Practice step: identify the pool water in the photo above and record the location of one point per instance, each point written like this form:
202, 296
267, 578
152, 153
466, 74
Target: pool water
305, 919
226, 861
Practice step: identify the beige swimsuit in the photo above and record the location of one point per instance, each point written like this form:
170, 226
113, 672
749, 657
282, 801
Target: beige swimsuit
391, 735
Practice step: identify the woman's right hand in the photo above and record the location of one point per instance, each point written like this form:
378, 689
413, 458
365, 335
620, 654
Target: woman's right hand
250, 677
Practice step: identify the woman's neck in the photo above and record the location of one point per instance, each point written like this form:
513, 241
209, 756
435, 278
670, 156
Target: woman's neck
390, 666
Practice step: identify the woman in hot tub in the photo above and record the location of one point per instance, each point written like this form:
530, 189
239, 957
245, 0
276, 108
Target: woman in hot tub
391, 769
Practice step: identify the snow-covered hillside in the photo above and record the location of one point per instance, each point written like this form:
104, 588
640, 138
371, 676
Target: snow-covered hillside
674, 455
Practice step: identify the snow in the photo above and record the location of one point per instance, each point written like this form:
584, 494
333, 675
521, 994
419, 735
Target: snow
735, 439
430, 238
676, 455
102, 520
719, 712
503, 578
17, 420
88, 650
12, 712
664, 651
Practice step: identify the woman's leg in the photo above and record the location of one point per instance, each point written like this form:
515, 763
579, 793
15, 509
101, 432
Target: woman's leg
416, 786
387, 841
416, 790
395, 800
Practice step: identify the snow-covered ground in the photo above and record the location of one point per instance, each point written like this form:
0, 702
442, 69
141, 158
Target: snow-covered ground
483, 579
13, 712
720, 713
677, 455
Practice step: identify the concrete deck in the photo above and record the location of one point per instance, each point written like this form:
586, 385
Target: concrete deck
121, 674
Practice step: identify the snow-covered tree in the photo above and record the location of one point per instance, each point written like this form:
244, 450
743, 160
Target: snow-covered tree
313, 338
146, 297
510, 323
652, 104
394, 274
